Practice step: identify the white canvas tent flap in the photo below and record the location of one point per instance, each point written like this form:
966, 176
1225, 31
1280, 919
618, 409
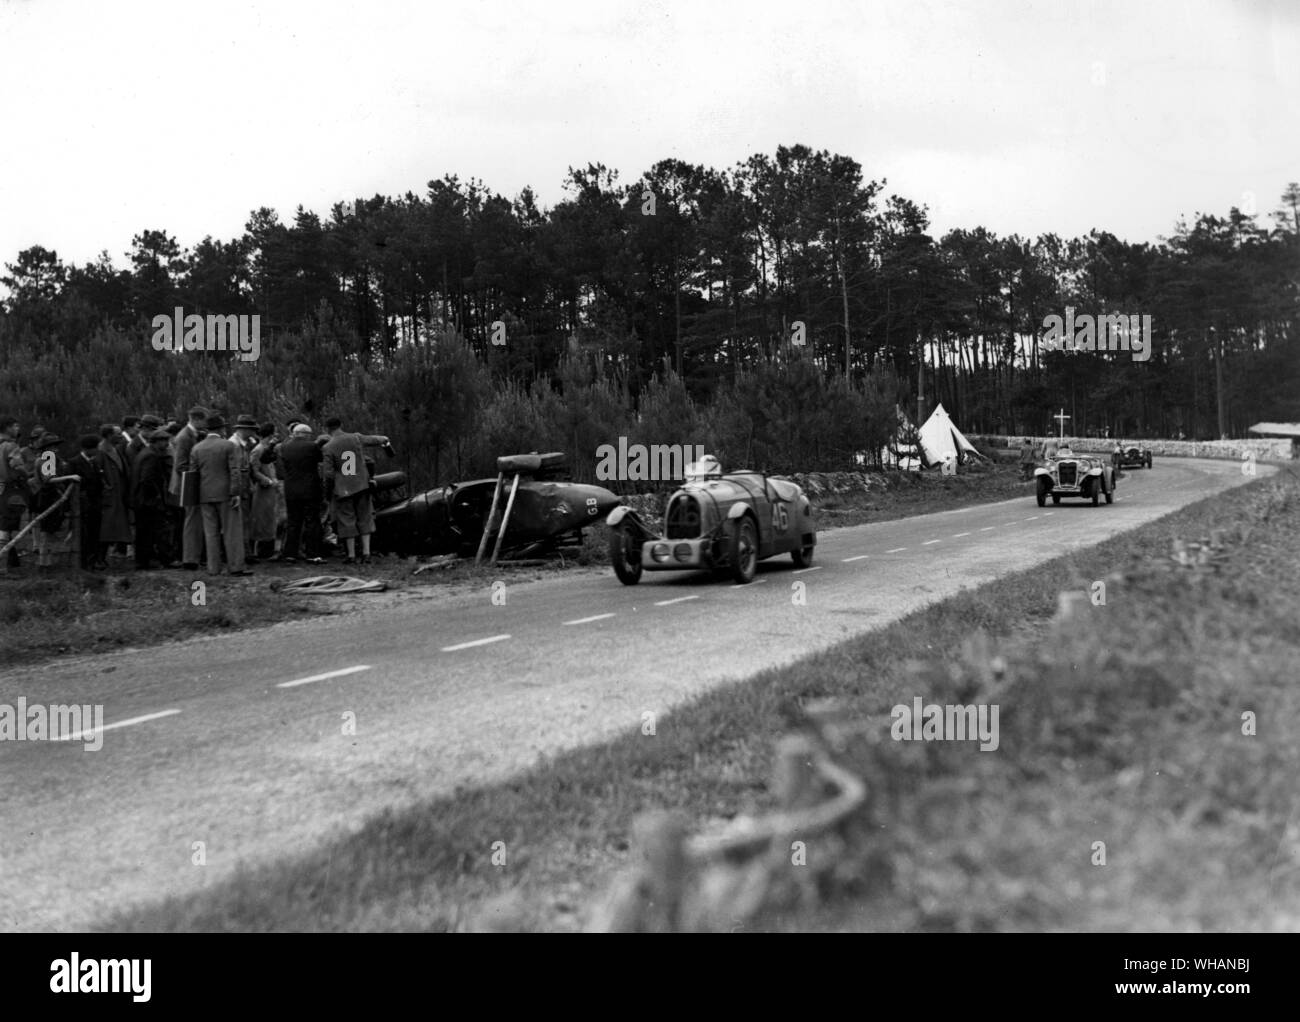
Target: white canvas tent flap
941, 439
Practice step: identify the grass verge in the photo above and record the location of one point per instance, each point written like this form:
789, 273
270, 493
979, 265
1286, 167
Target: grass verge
1121, 723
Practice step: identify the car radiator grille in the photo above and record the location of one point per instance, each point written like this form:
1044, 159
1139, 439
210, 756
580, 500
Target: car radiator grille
683, 519
1067, 474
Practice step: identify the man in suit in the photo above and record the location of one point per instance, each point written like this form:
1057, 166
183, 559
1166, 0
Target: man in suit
149, 498
192, 531
299, 461
90, 492
218, 462
348, 484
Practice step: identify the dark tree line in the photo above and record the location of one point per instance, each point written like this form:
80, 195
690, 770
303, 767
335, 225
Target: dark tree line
703, 280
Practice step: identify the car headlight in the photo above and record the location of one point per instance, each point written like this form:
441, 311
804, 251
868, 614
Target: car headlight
682, 552
659, 552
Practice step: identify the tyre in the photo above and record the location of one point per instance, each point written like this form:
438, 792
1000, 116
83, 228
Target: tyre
803, 556
1056, 499
1148, 461
742, 550
1042, 497
1110, 494
1096, 492
625, 555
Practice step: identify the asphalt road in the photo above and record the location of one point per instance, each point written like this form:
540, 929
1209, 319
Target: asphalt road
237, 742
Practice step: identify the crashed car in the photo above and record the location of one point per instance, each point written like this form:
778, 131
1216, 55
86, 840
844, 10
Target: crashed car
1134, 457
1075, 475
547, 512
717, 522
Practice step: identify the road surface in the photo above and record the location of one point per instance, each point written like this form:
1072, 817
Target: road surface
237, 746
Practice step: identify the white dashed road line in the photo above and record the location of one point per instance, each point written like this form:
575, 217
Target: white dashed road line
896, 550
323, 677
1034, 518
988, 528
476, 642
588, 620
80, 736
847, 560
930, 542
958, 535
680, 599
800, 571
746, 585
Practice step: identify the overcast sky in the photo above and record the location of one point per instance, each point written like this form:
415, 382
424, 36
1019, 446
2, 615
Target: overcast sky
1021, 117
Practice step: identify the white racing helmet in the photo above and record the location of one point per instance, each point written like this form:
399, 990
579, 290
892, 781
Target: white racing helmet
704, 468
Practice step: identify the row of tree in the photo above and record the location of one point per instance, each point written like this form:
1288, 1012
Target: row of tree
789, 267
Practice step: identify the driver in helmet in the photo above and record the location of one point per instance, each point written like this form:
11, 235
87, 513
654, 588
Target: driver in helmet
705, 467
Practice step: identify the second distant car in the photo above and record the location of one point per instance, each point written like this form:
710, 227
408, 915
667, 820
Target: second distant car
1134, 456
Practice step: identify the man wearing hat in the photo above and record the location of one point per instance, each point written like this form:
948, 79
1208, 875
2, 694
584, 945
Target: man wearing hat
138, 438
299, 461
90, 491
244, 438
192, 537
47, 465
218, 463
149, 498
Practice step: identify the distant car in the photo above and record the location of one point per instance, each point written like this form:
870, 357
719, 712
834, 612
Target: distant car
1075, 475
1134, 457
715, 521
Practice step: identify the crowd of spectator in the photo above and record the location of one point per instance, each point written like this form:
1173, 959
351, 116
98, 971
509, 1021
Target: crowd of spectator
178, 494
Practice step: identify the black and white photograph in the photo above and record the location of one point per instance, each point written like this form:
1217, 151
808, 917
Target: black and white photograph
650, 467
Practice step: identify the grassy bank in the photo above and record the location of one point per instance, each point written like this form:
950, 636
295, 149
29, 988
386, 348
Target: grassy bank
1120, 723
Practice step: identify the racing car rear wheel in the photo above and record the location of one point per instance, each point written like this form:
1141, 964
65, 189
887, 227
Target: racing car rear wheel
1110, 494
803, 556
625, 553
742, 550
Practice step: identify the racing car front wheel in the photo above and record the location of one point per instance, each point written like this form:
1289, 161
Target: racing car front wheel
742, 552
803, 556
625, 554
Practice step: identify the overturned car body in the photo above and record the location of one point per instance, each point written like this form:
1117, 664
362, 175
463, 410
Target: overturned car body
716, 522
546, 512
1075, 475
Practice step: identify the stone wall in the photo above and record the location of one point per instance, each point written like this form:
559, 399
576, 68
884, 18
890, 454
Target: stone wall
1262, 448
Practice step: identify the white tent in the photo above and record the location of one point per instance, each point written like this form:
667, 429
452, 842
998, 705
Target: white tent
941, 440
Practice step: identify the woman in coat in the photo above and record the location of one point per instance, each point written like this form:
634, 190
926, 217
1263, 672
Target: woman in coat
115, 515
264, 517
